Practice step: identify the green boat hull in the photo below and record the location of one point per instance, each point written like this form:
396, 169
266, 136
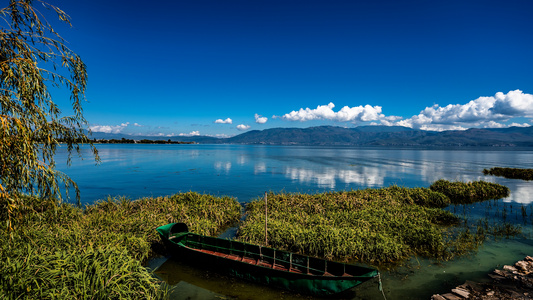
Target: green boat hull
272, 267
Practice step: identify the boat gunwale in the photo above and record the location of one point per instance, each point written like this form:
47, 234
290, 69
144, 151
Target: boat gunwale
180, 235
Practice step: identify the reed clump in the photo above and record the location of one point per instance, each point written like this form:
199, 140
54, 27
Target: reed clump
65, 252
375, 226
204, 214
470, 192
512, 173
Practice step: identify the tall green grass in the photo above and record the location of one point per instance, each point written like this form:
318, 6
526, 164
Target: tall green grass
66, 252
137, 220
377, 226
373, 225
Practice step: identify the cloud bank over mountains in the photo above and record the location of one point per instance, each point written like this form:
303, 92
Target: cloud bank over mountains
346, 114
485, 112
514, 108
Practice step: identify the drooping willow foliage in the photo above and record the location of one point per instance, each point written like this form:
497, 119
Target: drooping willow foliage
33, 59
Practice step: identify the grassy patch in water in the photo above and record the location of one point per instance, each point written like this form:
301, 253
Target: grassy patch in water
376, 226
69, 253
372, 225
513, 173
470, 192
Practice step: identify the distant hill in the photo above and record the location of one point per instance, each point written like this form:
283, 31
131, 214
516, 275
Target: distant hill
363, 136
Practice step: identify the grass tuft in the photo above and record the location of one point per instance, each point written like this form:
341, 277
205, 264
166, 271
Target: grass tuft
470, 192
513, 173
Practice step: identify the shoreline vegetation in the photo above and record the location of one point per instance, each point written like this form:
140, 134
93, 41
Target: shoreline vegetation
62, 251
65, 252
375, 226
143, 141
512, 173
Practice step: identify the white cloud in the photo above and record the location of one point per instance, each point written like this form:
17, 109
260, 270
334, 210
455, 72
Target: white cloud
487, 112
492, 124
514, 103
346, 114
243, 127
227, 121
137, 125
109, 128
260, 119
192, 133
520, 125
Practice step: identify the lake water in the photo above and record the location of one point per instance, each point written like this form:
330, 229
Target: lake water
246, 172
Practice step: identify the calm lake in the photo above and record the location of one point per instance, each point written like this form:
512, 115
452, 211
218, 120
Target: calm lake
246, 172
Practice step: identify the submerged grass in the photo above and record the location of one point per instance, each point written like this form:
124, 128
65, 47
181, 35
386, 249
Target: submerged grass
69, 253
513, 173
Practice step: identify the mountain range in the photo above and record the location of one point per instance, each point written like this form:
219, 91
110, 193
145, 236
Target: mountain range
362, 136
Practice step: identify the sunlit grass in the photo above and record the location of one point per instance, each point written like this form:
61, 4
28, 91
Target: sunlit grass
376, 226
372, 225
97, 253
59, 252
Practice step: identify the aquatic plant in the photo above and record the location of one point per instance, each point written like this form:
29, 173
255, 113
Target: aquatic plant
75, 272
470, 192
204, 214
66, 252
372, 225
505, 230
513, 173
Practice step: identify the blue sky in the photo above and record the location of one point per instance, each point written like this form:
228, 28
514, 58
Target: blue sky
176, 67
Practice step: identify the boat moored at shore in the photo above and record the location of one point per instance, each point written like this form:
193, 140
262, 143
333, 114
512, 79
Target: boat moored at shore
273, 267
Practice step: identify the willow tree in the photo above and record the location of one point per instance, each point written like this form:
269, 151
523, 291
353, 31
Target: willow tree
34, 60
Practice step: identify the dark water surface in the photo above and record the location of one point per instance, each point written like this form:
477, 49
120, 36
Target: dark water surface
246, 172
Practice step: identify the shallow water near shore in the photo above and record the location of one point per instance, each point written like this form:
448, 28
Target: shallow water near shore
246, 172
420, 280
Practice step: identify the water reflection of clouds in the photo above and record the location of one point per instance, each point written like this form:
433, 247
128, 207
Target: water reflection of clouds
367, 176
242, 159
194, 153
328, 177
322, 179
521, 193
259, 167
223, 166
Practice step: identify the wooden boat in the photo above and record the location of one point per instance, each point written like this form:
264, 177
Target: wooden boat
276, 268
